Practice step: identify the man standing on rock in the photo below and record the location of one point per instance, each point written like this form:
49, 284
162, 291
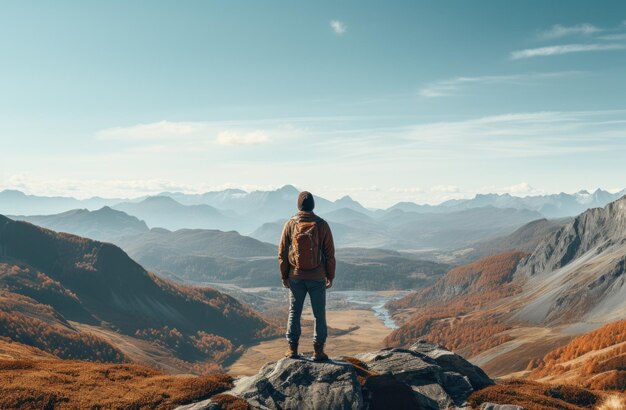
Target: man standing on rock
306, 257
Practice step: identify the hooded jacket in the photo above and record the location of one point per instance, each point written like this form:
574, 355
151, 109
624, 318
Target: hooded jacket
326, 268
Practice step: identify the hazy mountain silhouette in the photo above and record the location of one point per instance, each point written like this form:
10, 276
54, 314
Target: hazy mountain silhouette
524, 239
13, 202
164, 212
206, 242
105, 224
551, 206
404, 230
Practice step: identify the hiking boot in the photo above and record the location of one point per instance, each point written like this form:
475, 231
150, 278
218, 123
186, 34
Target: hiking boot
319, 355
292, 350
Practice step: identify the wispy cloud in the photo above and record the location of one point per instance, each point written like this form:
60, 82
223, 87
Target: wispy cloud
165, 135
452, 86
522, 134
151, 131
242, 138
558, 31
339, 27
565, 49
613, 37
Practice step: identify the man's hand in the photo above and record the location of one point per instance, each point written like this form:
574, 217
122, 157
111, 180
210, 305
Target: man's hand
285, 283
329, 283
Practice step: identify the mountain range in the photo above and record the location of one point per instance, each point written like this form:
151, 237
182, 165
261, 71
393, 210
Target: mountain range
275, 204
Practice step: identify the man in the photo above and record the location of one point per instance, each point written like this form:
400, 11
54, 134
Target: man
306, 257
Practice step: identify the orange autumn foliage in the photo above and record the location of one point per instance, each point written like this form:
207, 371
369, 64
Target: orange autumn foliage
24, 320
536, 396
61, 384
446, 312
603, 369
201, 345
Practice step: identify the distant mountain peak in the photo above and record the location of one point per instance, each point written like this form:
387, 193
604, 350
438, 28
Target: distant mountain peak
345, 198
286, 189
12, 192
161, 200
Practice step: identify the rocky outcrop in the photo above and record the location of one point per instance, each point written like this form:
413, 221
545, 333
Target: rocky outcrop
425, 376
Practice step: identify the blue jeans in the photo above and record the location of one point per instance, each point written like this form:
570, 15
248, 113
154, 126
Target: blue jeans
298, 288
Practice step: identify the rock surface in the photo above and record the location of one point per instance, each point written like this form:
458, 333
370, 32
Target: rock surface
425, 376
597, 229
492, 406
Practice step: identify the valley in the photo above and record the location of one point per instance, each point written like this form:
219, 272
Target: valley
360, 330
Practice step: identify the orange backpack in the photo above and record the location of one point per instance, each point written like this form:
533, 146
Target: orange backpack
305, 251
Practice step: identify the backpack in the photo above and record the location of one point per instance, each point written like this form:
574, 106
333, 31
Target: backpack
305, 252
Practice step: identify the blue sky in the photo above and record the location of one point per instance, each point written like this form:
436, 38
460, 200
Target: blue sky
384, 101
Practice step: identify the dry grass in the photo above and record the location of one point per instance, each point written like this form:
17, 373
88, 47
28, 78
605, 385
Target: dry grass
595, 360
229, 402
362, 370
613, 402
536, 396
59, 384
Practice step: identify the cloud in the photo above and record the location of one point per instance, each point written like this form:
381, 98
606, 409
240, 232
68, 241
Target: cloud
407, 190
451, 86
172, 136
613, 37
564, 49
114, 188
239, 138
523, 188
151, 131
558, 31
446, 189
518, 135
339, 27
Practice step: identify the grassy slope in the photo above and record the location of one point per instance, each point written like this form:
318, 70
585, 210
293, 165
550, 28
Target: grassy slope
31, 379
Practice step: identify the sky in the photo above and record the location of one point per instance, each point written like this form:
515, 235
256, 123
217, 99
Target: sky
384, 101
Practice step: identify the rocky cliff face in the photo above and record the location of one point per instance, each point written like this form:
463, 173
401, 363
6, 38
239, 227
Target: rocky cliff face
598, 230
577, 274
425, 376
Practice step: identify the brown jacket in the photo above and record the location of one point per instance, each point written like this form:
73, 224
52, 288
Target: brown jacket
326, 269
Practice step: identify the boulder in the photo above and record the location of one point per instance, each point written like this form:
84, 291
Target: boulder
434, 386
302, 384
